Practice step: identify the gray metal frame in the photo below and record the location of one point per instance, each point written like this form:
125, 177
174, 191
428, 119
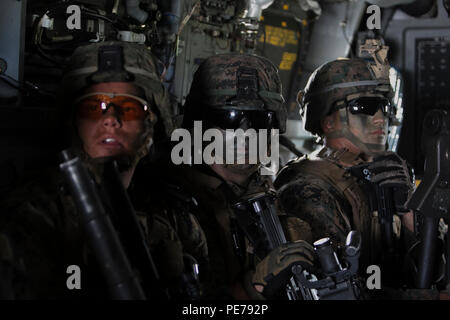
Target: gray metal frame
401, 35
12, 41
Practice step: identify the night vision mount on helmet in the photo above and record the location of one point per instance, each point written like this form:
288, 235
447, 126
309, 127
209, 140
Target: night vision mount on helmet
115, 61
341, 81
235, 81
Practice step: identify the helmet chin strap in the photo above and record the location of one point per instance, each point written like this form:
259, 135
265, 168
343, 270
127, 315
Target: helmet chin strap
344, 132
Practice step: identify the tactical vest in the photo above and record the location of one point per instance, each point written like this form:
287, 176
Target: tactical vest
228, 248
352, 201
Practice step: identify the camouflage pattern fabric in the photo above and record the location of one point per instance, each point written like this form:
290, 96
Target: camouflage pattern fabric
139, 68
336, 81
39, 221
174, 205
226, 265
43, 229
322, 194
310, 189
317, 206
214, 215
215, 83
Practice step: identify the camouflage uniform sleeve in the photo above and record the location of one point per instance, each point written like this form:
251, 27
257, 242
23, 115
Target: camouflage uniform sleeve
29, 220
166, 248
172, 250
192, 237
310, 200
171, 208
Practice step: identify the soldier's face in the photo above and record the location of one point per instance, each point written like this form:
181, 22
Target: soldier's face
110, 135
369, 129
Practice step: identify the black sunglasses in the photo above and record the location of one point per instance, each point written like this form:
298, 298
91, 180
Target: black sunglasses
369, 106
234, 119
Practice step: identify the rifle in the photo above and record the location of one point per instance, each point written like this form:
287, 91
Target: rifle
113, 230
384, 200
257, 216
431, 199
381, 199
104, 241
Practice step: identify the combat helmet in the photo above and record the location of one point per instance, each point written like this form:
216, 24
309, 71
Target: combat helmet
336, 81
115, 61
235, 81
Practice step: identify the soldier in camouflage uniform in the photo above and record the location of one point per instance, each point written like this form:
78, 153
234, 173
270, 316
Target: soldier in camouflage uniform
347, 103
116, 105
231, 91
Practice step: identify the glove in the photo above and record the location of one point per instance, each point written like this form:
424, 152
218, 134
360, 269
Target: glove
388, 170
274, 271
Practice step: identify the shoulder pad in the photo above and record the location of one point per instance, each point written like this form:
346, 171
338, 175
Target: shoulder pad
301, 166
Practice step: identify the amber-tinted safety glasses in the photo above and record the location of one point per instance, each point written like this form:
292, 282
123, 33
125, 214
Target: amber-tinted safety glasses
128, 107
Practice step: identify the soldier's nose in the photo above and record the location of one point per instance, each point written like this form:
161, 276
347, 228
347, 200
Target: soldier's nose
245, 124
111, 119
379, 118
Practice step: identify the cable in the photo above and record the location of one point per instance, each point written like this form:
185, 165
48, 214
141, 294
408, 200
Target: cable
343, 25
286, 142
390, 12
99, 16
265, 39
9, 83
25, 85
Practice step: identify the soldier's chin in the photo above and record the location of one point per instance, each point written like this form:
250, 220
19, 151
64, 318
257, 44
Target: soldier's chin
377, 148
124, 161
380, 139
106, 152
